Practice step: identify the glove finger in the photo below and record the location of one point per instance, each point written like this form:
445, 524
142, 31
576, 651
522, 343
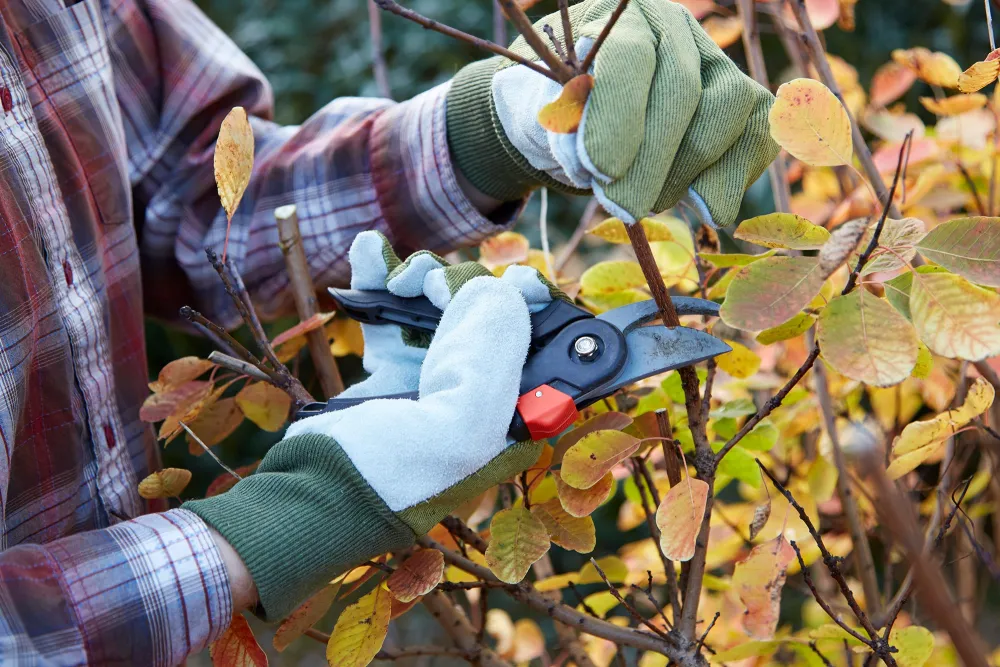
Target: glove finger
536, 290
723, 185
407, 279
412, 451
673, 97
728, 98
440, 285
372, 259
393, 365
623, 73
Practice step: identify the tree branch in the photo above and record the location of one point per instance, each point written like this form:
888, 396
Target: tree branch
612, 20
240, 366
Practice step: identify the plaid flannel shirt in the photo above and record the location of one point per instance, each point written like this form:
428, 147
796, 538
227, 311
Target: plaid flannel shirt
109, 110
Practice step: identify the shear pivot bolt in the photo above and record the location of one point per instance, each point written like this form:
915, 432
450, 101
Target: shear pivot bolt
585, 346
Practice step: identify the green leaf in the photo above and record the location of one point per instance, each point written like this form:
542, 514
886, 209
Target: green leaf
740, 464
602, 303
771, 291
925, 362
725, 261
897, 291
762, 438
865, 339
671, 385
517, 539
915, 645
782, 230
612, 230
738, 408
793, 328
969, 247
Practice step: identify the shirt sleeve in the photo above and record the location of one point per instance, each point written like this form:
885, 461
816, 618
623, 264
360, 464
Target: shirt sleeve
356, 164
145, 592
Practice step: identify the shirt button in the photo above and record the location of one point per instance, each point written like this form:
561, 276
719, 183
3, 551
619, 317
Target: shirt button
5, 99
109, 436
68, 272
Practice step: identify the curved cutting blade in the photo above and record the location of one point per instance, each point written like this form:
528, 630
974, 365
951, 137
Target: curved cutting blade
657, 349
628, 317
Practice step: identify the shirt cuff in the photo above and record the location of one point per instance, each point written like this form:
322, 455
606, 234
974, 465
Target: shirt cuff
154, 586
415, 181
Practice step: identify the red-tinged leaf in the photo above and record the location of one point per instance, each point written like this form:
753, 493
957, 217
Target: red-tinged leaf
237, 647
586, 462
180, 371
758, 581
891, 81
305, 616
563, 114
265, 405
811, 123
177, 401
400, 608
969, 247
417, 575
225, 481
582, 502
679, 518
505, 248
302, 328
770, 292
569, 532
214, 424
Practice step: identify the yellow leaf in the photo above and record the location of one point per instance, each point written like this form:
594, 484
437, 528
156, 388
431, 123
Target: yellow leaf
741, 362
503, 249
936, 68
586, 462
265, 405
914, 643
517, 539
612, 230
732, 259
925, 362
758, 581
771, 291
602, 303
969, 247
782, 230
233, 159
921, 440
676, 259
954, 105
563, 114
305, 616
569, 532
793, 328
180, 371
610, 277
808, 121
164, 483
501, 629
175, 401
978, 76
955, 318
866, 339
417, 575
679, 518
360, 630
724, 30
237, 647
529, 642
582, 502
347, 337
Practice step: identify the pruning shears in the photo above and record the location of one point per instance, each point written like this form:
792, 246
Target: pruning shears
575, 358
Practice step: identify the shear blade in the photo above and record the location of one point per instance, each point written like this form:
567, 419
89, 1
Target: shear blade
629, 317
657, 349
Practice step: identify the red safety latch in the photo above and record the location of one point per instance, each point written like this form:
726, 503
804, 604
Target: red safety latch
546, 412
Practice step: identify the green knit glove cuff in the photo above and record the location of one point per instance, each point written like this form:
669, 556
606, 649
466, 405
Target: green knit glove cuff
304, 517
478, 145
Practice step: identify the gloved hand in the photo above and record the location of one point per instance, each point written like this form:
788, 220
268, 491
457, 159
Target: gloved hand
345, 486
668, 110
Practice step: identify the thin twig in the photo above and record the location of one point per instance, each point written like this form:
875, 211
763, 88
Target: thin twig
641, 475
980, 206
551, 34
989, 25
561, 71
821, 601
192, 315
815, 649
430, 24
633, 612
194, 436
240, 366
499, 24
379, 68
704, 635
581, 230
416, 651
864, 564
612, 20
568, 35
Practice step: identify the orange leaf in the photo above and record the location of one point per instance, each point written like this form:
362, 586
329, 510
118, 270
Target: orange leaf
417, 575
177, 401
954, 105
305, 616
586, 462
891, 81
569, 532
179, 371
214, 424
302, 328
164, 483
563, 114
582, 502
400, 608
679, 518
225, 481
237, 647
724, 31
503, 249
265, 405
758, 581
615, 421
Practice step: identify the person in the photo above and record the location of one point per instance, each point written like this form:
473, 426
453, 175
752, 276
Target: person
109, 110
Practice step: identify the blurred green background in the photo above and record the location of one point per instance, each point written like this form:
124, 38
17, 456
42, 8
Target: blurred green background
316, 50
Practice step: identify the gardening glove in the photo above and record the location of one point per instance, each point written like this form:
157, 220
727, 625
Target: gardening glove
668, 111
345, 486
